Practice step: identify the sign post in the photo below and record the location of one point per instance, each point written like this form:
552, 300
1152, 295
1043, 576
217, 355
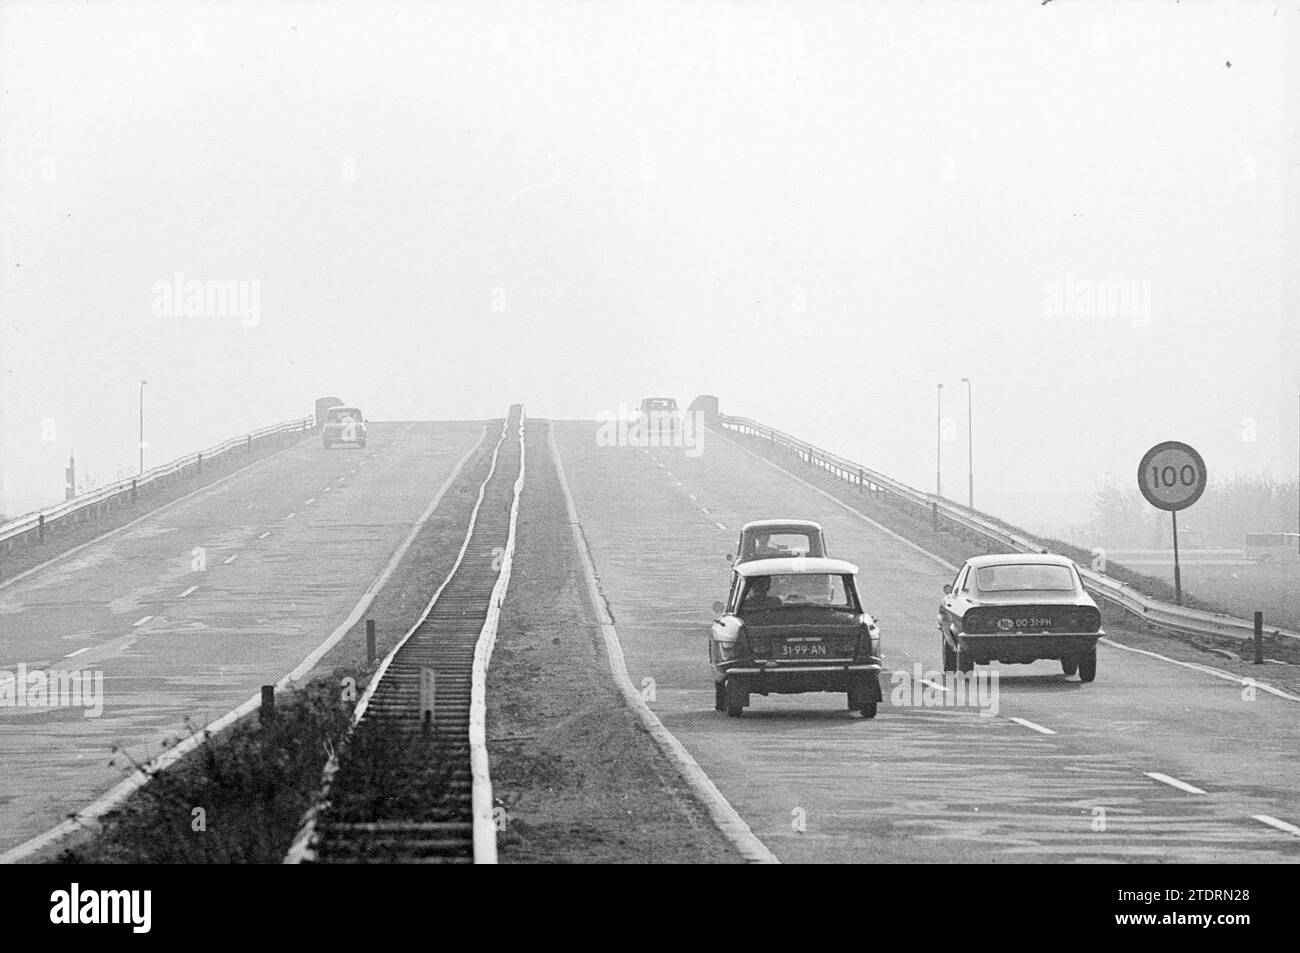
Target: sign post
1172, 477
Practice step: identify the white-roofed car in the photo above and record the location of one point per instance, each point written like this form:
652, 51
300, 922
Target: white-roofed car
1017, 609
775, 539
793, 625
343, 425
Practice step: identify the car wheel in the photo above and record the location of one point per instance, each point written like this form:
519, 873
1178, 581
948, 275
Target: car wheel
949, 656
1088, 665
737, 698
361, 444
326, 444
868, 710
1069, 665
719, 696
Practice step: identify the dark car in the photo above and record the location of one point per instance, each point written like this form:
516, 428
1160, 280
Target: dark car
1019, 609
779, 539
659, 415
794, 625
343, 425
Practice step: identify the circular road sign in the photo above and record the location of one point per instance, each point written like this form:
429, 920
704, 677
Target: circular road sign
1171, 475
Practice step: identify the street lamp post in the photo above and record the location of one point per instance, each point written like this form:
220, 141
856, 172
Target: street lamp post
938, 444
142, 383
970, 447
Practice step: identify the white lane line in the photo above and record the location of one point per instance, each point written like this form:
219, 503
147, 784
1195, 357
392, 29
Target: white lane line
173, 754
724, 816
229, 559
141, 621
677, 482
1274, 822
264, 535
326, 489
704, 511
291, 516
187, 592
310, 502
719, 526
1207, 670
218, 486
1173, 782
722, 435
1216, 673
1025, 722
79, 651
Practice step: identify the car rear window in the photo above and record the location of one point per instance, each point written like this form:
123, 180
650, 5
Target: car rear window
778, 544
798, 589
343, 413
1022, 577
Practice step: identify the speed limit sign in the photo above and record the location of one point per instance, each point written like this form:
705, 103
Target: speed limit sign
1171, 475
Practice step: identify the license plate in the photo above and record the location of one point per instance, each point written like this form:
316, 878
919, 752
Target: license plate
803, 650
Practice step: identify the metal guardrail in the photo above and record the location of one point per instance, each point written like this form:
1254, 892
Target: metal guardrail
41, 520
1161, 614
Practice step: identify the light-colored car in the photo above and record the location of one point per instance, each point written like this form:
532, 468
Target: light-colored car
1017, 609
794, 625
343, 425
776, 539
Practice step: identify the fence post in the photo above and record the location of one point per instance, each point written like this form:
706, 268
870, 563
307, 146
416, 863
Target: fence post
200, 463
1259, 638
40, 529
862, 479
132, 489
934, 516
267, 713
250, 443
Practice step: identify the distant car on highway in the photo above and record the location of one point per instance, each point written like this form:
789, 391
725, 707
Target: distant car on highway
777, 539
659, 414
343, 425
1017, 609
793, 625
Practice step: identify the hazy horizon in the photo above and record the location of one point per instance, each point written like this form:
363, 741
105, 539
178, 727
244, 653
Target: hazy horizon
816, 211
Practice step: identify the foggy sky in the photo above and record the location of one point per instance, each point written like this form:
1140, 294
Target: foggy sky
816, 211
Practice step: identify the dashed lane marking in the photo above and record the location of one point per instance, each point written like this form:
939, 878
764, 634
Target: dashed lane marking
1173, 782
1033, 726
1274, 822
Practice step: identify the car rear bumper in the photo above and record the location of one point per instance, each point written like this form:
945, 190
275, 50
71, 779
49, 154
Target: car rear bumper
781, 679
1027, 647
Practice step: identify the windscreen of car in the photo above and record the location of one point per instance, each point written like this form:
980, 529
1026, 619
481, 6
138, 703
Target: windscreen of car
798, 589
344, 413
1022, 577
660, 405
778, 544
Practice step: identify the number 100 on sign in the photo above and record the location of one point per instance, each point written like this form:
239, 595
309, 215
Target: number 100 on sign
1171, 475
